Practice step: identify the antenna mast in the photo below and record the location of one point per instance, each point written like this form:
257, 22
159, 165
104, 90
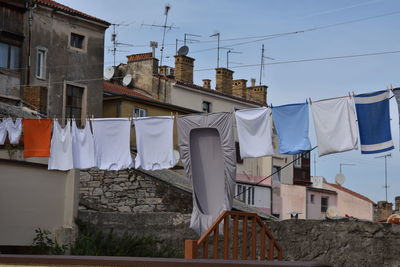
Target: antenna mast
218, 36
262, 62
166, 11
114, 39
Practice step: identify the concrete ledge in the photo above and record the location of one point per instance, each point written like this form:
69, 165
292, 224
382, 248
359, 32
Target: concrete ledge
29, 260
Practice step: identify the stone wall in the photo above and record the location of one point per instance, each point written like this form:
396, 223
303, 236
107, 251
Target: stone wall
344, 242
130, 191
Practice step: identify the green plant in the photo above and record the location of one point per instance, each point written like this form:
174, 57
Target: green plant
95, 242
43, 244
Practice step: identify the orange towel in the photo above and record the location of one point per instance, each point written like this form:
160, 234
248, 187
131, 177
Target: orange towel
37, 134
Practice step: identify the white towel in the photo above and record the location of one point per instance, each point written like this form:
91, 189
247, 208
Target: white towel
154, 141
112, 143
82, 146
14, 130
3, 131
254, 132
335, 125
61, 148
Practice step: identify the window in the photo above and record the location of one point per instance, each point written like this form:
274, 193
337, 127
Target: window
297, 162
41, 63
73, 107
276, 170
76, 40
306, 155
246, 193
324, 204
9, 56
238, 158
139, 112
206, 106
312, 198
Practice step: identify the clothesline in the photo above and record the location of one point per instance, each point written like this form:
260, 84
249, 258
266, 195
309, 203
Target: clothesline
277, 171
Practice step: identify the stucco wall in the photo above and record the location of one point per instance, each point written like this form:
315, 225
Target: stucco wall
51, 31
348, 204
314, 208
293, 199
33, 197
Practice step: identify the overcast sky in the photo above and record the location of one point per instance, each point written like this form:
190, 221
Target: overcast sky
352, 27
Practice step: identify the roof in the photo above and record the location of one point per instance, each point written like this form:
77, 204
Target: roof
215, 92
251, 179
7, 110
142, 56
122, 90
344, 189
66, 9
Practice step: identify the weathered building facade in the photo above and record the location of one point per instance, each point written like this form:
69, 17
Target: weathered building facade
51, 58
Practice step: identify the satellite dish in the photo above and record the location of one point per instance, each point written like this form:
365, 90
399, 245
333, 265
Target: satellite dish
109, 73
126, 81
177, 156
339, 179
183, 51
331, 212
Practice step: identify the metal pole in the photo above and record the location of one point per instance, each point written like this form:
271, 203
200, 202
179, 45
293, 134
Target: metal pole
262, 62
386, 186
218, 53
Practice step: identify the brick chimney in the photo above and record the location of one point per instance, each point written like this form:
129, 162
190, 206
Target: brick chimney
207, 83
239, 88
184, 69
224, 80
257, 93
397, 203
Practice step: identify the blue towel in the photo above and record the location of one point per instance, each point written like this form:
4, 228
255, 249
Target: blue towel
291, 123
374, 122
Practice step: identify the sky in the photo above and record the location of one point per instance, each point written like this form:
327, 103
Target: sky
326, 28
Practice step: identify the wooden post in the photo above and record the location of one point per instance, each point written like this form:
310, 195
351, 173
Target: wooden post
190, 249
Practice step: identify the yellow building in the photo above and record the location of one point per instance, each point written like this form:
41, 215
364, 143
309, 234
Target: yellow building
121, 101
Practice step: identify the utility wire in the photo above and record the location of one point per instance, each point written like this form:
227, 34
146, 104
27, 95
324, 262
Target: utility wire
288, 164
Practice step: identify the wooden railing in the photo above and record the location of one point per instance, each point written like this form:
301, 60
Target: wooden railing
243, 234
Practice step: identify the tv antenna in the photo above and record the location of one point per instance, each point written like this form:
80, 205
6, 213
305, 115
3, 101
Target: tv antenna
227, 56
167, 8
115, 42
262, 62
218, 35
386, 185
185, 39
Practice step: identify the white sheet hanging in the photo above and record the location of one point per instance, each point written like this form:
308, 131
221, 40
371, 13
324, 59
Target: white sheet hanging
254, 132
154, 141
3, 131
82, 146
335, 125
112, 143
14, 130
61, 148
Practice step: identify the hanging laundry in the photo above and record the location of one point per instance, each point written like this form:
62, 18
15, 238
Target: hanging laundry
37, 134
207, 148
396, 93
335, 125
61, 148
254, 132
154, 141
374, 122
291, 124
14, 130
82, 146
3, 131
112, 143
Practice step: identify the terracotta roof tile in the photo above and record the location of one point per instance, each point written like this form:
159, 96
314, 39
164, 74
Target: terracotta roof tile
344, 189
122, 90
58, 6
142, 56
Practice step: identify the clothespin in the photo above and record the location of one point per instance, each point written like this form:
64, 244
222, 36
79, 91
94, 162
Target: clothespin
349, 95
310, 100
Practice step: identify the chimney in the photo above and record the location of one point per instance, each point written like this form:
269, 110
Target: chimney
207, 83
163, 70
397, 203
184, 69
224, 80
253, 82
239, 88
257, 93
